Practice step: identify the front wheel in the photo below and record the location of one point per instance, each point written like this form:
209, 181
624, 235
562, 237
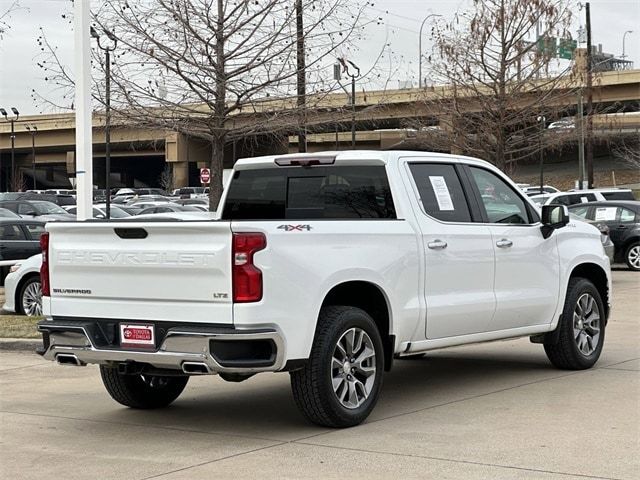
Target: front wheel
581, 328
632, 256
30, 298
339, 385
142, 391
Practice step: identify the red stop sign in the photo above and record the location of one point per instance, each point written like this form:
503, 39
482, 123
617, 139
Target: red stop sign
205, 175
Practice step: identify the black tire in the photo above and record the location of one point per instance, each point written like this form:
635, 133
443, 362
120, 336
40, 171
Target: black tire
144, 392
312, 385
564, 353
632, 249
20, 298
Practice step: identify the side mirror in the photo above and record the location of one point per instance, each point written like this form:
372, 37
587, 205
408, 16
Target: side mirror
553, 217
100, 215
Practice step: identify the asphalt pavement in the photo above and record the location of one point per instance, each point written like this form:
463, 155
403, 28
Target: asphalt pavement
496, 410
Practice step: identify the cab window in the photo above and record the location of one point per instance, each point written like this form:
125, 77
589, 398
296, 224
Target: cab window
441, 191
501, 203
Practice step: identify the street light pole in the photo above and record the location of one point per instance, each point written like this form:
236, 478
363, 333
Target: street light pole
542, 121
624, 36
107, 122
13, 141
420, 47
33, 130
353, 76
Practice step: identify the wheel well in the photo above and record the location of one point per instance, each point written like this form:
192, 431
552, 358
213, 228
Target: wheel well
627, 243
368, 297
19, 288
598, 277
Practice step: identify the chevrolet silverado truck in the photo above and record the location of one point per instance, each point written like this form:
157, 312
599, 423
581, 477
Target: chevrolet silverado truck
327, 266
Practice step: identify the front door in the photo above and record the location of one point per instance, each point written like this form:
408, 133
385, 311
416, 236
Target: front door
526, 264
458, 254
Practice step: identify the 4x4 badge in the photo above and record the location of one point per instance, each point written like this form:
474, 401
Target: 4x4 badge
294, 228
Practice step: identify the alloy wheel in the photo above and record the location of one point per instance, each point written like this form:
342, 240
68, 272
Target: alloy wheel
586, 324
634, 256
353, 368
32, 300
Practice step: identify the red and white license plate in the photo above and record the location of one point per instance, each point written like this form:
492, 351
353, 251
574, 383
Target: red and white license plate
137, 335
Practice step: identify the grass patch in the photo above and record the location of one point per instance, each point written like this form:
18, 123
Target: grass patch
19, 326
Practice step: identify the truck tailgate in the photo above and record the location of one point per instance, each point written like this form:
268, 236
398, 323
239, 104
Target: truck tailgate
151, 271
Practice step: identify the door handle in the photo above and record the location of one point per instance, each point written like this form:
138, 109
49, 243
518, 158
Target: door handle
504, 243
437, 245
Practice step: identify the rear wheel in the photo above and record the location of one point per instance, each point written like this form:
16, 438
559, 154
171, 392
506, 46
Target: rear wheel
581, 328
339, 385
632, 256
142, 391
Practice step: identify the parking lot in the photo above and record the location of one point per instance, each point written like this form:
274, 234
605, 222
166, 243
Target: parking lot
496, 410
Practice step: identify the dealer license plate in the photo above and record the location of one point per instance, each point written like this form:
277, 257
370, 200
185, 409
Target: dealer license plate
137, 335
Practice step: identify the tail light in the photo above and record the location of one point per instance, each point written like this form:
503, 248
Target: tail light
44, 269
247, 278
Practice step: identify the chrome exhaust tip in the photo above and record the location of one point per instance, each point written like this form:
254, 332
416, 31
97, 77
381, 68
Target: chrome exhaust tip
196, 368
68, 359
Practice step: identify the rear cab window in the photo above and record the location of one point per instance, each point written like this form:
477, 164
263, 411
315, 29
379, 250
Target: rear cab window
318, 192
441, 192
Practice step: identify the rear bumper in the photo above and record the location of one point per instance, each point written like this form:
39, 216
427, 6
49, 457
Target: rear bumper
78, 342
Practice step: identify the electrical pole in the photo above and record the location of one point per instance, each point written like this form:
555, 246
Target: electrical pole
581, 173
589, 146
302, 80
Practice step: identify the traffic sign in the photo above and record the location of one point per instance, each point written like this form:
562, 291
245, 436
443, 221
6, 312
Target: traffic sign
566, 47
205, 175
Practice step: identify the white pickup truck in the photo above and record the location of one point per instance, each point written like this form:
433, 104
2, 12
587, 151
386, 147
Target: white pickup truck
327, 266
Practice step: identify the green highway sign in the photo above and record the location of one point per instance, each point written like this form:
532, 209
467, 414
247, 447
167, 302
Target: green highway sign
566, 47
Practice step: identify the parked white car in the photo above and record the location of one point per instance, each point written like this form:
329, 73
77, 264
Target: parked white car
327, 266
22, 289
568, 198
535, 190
611, 193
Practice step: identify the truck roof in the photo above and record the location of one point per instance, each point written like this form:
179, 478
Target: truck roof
356, 156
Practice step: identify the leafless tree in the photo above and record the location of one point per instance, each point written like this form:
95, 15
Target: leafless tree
166, 179
6, 9
217, 70
498, 82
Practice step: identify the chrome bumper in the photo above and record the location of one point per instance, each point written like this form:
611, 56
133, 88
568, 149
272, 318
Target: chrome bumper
179, 348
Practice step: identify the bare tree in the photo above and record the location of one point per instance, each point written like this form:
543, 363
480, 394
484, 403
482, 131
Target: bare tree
498, 79
6, 9
218, 70
166, 179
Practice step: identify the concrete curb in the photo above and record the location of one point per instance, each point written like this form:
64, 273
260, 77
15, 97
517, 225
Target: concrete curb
20, 344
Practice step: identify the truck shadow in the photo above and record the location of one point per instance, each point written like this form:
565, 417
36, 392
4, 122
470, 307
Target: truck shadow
263, 406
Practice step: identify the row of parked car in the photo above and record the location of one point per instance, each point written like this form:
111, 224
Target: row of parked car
614, 211
22, 220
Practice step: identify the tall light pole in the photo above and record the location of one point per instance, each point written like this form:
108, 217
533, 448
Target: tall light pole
33, 130
624, 37
107, 49
431, 15
13, 141
336, 75
542, 121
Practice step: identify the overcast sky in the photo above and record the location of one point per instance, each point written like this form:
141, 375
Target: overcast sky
19, 50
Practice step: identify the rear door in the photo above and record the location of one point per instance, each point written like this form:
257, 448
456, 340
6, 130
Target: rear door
166, 270
458, 253
526, 264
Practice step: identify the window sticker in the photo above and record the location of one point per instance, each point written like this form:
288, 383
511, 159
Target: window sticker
605, 214
584, 200
441, 191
